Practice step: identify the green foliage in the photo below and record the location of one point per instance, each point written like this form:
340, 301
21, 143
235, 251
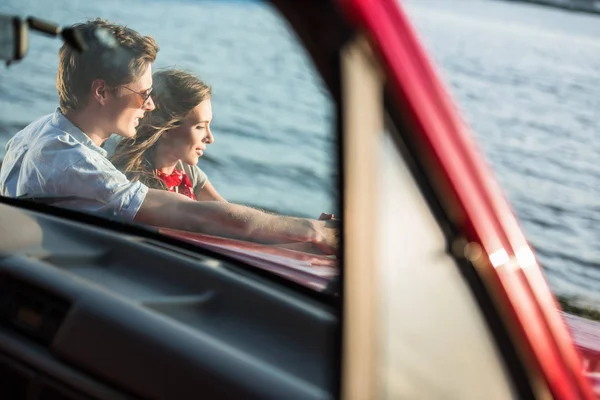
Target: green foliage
570, 305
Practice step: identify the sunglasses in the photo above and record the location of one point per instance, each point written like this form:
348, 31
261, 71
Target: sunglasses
145, 95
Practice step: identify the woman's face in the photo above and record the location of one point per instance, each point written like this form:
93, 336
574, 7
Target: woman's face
188, 141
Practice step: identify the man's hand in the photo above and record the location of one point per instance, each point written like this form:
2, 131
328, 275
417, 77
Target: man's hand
329, 232
325, 217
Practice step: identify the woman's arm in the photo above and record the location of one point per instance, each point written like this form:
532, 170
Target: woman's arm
209, 193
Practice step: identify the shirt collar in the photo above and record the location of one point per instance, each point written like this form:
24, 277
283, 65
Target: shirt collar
67, 126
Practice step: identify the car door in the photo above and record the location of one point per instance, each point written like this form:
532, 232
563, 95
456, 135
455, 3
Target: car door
443, 259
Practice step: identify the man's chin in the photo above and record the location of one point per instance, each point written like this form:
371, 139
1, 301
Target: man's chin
126, 134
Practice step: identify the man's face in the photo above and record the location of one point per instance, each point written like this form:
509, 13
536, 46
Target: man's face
126, 106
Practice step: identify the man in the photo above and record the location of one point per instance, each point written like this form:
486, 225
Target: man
106, 90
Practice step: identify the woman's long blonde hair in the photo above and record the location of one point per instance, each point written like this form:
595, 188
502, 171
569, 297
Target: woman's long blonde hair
175, 93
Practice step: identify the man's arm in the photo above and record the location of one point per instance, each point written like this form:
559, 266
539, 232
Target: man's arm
172, 210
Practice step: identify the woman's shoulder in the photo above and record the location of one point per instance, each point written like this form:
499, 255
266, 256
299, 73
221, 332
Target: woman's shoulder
196, 175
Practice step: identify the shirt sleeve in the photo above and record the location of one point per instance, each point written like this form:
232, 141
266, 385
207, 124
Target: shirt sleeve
102, 189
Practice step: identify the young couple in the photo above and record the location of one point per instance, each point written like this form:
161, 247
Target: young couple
107, 89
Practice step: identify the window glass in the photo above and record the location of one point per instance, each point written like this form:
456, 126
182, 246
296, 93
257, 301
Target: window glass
527, 79
273, 142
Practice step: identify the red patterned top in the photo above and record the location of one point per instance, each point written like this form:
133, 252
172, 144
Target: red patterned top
178, 182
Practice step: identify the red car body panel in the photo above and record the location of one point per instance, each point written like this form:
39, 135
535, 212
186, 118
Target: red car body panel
587, 339
478, 205
310, 270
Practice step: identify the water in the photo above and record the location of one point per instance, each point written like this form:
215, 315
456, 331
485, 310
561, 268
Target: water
526, 78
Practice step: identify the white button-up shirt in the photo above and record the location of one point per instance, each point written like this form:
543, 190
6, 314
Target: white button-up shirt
51, 157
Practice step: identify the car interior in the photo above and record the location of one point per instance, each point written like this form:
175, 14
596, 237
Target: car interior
97, 308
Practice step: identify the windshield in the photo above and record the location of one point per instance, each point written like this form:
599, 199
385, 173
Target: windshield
206, 120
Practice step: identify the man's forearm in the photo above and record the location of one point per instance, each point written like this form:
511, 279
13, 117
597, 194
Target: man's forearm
241, 222
171, 210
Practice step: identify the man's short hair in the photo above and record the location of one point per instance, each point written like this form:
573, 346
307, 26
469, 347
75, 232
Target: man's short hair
116, 54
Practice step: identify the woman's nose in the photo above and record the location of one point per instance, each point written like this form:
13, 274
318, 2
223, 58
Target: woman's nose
209, 139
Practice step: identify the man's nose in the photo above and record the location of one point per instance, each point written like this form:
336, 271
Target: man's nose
149, 104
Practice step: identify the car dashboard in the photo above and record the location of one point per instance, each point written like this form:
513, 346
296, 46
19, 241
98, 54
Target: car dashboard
88, 312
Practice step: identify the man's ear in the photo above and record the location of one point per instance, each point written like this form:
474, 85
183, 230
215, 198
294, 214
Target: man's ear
100, 91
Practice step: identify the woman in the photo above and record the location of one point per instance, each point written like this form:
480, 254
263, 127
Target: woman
170, 139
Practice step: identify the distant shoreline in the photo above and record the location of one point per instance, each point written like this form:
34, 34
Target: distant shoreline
574, 306
585, 6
